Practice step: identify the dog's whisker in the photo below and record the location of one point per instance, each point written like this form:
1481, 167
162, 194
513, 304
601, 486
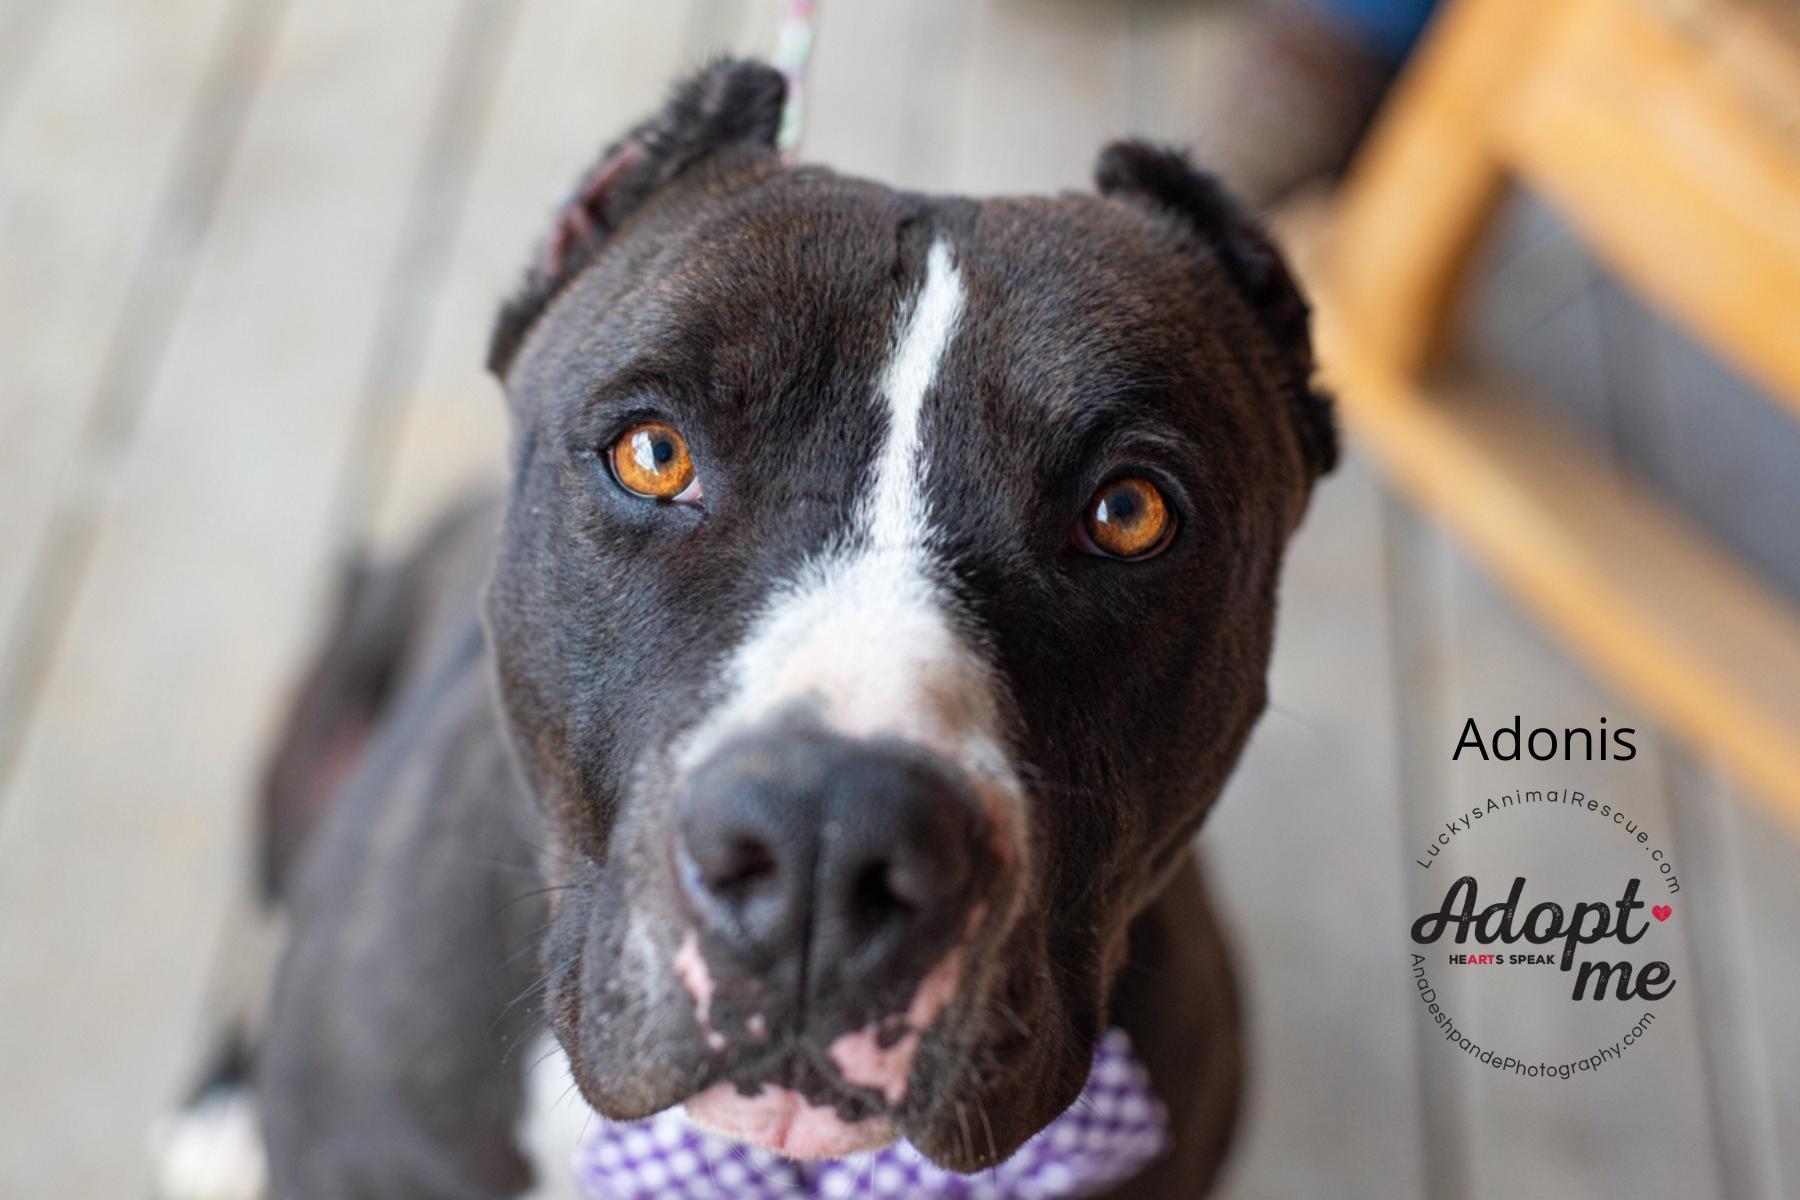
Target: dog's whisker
1017, 1022
531, 946
535, 892
743, 1156
535, 986
543, 1058
993, 1147
557, 855
1041, 780
707, 1162
526, 1038
1308, 724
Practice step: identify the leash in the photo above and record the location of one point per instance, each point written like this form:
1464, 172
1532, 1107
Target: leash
793, 58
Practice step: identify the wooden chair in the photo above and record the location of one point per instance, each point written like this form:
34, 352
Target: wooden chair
1667, 133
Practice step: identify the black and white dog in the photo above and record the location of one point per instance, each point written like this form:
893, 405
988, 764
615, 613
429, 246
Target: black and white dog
883, 593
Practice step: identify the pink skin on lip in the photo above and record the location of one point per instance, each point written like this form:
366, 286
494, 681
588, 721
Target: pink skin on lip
690, 964
775, 1117
861, 1058
783, 1121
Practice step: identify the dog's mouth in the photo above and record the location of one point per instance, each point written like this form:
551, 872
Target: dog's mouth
747, 1067
964, 1090
792, 1101
790, 1093
785, 1121
802, 1096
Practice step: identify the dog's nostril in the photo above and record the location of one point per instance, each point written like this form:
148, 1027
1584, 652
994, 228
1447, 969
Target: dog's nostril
880, 892
745, 864
730, 868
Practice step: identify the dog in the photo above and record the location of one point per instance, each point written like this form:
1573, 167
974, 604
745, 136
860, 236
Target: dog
881, 595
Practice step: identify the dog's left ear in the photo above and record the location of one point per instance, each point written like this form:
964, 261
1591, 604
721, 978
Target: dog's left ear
1166, 182
726, 104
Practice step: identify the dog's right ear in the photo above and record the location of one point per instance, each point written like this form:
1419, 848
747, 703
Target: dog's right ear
1165, 181
729, 103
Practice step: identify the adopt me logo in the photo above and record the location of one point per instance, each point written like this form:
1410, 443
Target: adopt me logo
1544, 952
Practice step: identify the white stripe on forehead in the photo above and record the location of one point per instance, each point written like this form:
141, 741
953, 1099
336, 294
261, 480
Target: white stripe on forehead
897, 501
863, 631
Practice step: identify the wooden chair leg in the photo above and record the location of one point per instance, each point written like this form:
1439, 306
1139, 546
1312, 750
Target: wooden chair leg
1645, 142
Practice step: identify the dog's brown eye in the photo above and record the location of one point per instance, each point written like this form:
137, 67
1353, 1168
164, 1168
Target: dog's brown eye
1128, 518
652, 460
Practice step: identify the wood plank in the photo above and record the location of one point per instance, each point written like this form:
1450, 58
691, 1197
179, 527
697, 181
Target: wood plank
1309, 825
938, 53
1731, 455
1184, 59
125, 817
1533, 313
856, 116
414, 291
99, 220
1045, 86
24, 27
1766, 995
1740, 930
1642, 1124
1420, 572
730, 27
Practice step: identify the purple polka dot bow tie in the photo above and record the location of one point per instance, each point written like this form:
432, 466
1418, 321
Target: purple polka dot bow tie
1112, 1131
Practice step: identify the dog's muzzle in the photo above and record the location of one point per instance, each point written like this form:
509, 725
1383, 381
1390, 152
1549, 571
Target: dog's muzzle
829, 886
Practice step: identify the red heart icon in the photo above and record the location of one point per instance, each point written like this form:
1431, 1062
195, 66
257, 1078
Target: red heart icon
1661, 912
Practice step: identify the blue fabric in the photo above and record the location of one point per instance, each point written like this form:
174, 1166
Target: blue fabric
1388, 27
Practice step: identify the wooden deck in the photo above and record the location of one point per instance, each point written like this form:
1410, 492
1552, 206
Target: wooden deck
248, 254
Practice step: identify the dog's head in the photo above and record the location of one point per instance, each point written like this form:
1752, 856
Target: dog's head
886, 593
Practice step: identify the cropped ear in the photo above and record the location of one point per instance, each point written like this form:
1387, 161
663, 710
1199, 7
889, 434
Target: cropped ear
1165, 181
726, 104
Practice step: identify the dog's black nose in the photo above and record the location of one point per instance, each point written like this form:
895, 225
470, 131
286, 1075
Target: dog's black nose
849, 865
